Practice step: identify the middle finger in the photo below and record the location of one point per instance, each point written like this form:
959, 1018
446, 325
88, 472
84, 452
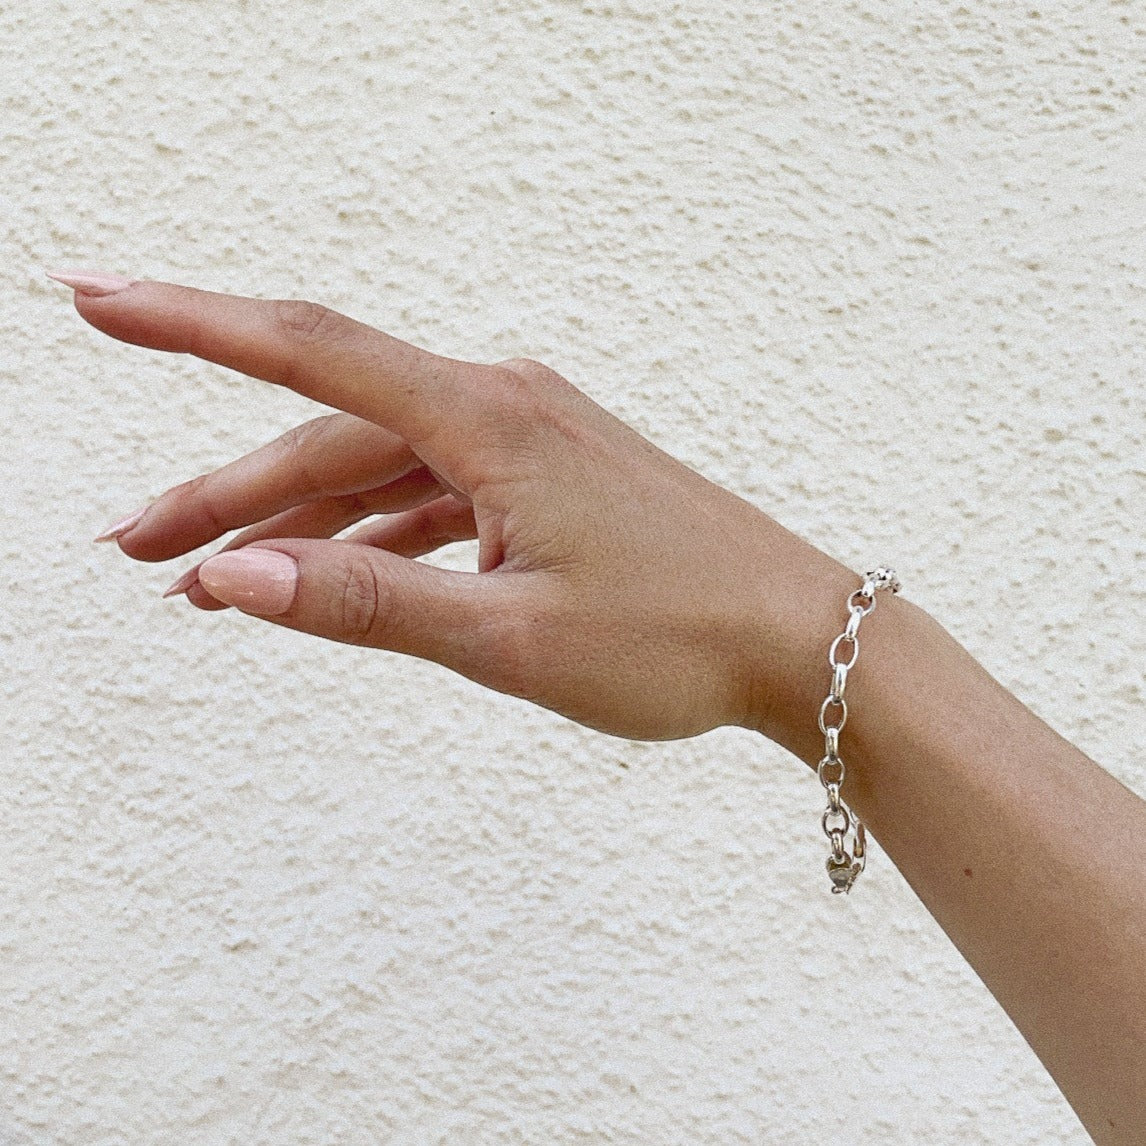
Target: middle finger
332, 456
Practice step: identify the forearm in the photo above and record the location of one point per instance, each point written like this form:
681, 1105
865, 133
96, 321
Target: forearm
1028, 854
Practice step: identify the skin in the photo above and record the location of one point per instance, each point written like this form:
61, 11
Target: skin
625, 591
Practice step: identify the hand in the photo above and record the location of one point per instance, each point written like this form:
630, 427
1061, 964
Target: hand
622, 589
614, 585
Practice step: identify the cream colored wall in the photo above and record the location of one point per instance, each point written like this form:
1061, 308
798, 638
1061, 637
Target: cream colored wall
878, 267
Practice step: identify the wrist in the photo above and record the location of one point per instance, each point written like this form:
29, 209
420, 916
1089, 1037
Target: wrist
844, 829
788, 624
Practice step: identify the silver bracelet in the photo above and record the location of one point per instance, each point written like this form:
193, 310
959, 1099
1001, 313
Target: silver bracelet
844, 866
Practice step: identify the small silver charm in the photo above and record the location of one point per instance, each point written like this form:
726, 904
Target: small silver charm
883, 578
842, 874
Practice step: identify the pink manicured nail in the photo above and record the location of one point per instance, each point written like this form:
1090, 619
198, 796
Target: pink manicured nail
182, 584
96, 284
116, 531
259, 581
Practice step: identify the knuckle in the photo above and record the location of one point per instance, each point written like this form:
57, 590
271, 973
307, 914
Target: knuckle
304, 321
527, 384
516, 394
361, 608
527, 367
302, 437
300, 453
536, 405
297, 444
198, 495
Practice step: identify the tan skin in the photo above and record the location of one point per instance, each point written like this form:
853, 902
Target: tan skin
625, 591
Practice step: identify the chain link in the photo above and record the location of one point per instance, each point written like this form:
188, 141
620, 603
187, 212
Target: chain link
844, 867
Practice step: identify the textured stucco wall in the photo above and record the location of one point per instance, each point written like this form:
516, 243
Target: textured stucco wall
876, 266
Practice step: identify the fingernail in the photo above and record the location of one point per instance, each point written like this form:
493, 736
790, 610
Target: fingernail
96, 284
259, 581
182, 584
116, 531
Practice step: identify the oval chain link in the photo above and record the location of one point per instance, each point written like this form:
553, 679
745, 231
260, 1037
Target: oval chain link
843, 866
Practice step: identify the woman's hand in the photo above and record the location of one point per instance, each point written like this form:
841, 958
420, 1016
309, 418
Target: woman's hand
614, 584
622, 589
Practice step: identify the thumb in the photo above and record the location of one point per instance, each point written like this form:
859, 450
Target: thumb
366, 596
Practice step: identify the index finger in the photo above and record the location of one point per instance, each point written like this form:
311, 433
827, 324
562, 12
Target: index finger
306, 347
